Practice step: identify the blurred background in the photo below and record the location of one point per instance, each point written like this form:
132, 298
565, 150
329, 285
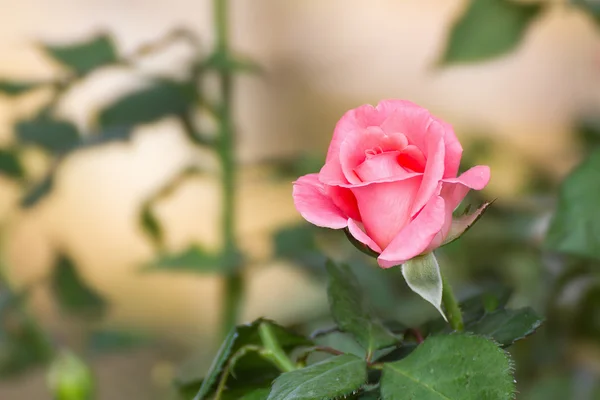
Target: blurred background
110, 188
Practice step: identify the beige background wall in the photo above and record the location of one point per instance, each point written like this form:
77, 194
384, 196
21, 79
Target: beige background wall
321, 57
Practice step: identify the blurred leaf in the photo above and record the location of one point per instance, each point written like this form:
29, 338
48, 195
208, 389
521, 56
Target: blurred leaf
351, 311
587, 315
333, 378
592, 7
193, 259
72, 293
507, 326
70, 378
104, 341
451, 367
298, 243
147, 219
162, 98
15, 88
86, 56
250, 370
53, 135
487, 29
575, 228
23, 344
38, 191
10, 164
560, 387
150, 224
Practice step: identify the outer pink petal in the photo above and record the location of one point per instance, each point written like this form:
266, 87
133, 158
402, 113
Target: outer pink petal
414, 239
454, 190
453, 151
353, 120
345, 200
434, 169
361, 236
385, 207
315, 206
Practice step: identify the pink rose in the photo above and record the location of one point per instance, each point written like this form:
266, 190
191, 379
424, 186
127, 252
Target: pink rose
391, 179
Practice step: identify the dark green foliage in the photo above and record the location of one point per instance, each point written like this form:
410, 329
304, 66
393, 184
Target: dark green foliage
575, 228
72, 293
38, 191
53, 135
23, 343
451, 367
159, 99
351, 311
487, 29
330, 379
507, 326
10, 165
84, 57
193, 259
15, 88
250, 370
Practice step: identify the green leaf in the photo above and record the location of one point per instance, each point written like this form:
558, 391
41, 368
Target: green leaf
330, 379
104, 341
53, 135
451, 367
250, 370
38, 191
351, 311
86, 56
487, 29
72, 293
15, 88
422, 275
575, 228
193, 259
150, 224
256, 394
23, 344
507, 326
10, 165
158, 100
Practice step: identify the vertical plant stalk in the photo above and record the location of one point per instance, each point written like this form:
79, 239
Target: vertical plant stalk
273, 350
233, 290
451, 306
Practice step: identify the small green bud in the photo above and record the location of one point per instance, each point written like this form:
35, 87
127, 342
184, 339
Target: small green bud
69, 378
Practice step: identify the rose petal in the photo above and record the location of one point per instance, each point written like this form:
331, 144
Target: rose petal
345, 200
360, 235
381, 166
416, 236
453, 151
385, 207
355, 148
434, 170
406, 117
454, 190
315, 206
354, 120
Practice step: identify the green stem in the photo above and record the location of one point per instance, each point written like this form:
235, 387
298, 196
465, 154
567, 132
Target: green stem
273, 349
233, 290
451, 307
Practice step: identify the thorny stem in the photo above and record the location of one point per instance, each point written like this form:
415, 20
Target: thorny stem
233, 290
274, 351
451, 307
